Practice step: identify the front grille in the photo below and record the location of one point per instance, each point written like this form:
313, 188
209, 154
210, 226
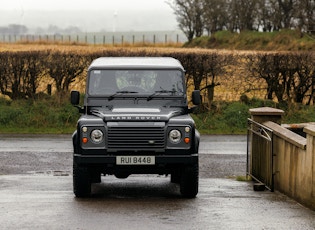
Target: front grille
135, 137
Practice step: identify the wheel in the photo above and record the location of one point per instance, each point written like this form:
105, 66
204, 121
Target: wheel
81, 181
121, 175
95, 177
175, 177
189, 181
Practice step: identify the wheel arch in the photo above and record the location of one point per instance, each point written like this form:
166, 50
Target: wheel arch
75, 141
197, 141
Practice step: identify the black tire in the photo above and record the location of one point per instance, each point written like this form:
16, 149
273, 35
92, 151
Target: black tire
175, 177
95, 177
81, 181
189, 181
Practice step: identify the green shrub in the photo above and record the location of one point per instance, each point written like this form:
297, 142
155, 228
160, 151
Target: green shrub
299, 114
49, 116
42, 116
223, 118
10, 116
235, 116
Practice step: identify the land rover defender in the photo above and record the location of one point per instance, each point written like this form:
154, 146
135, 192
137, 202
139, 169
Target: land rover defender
135, 120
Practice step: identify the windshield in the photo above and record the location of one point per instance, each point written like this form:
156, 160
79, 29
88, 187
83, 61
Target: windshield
148, 82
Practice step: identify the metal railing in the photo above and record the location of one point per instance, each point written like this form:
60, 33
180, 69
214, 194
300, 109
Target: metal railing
119, 38
260, 164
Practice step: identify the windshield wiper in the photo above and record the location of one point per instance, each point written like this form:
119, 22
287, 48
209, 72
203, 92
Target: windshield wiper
159, 92
120, 93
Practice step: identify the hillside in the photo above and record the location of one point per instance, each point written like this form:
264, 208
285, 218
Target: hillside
285, 40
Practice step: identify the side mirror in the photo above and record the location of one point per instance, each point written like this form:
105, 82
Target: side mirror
196, 97
75, 97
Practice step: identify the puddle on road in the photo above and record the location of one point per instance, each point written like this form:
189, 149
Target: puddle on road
51, 173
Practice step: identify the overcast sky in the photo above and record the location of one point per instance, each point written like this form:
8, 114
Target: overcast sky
90, 15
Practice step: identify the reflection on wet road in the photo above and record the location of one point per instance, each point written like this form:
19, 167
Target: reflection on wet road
47, 202
223, 144
36, 193
35, 143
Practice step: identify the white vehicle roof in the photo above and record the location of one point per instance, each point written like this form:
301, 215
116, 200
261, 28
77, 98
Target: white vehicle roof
136, 63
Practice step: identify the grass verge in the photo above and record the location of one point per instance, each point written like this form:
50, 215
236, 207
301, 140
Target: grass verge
37, 116
46, 116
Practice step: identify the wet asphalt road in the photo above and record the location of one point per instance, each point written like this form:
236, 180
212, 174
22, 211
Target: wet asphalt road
36, 193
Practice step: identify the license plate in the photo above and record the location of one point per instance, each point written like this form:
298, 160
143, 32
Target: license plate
135, 160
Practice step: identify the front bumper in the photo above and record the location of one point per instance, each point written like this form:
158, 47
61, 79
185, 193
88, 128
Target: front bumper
159, 159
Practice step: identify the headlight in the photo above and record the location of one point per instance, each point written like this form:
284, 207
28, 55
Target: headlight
97, 136
175, 136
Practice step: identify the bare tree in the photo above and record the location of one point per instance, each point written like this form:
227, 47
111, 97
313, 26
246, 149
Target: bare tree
283, 11
4, 71
305, 13
194, 16
215, 16
302, 76
289, 76
20, 73
64, 68
268, 67
189, 17
214, 65
35, 69
242, 14
205, 68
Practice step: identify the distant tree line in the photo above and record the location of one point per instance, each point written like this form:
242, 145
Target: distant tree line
197, 16
17, 29
286, 76
13, 29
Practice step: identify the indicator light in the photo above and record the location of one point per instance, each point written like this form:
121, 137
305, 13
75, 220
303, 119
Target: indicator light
84, 140
187, 140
